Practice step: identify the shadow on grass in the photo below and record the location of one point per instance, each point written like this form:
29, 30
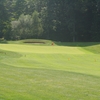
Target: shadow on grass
3, 42
77, 44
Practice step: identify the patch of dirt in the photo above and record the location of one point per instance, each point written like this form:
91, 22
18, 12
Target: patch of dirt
35, 42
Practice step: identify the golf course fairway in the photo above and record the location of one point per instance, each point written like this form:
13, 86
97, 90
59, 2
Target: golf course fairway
31, 72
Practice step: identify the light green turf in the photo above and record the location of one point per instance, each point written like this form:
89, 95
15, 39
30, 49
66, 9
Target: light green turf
30, 72
42, 49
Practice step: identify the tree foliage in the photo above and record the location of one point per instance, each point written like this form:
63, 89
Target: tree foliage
4, 20
61, 20
27, 26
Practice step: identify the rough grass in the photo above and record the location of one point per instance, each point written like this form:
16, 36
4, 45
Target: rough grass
94, 48
90, 46
30, 72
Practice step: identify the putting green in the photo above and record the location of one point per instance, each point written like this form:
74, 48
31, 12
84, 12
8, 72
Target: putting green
42, 49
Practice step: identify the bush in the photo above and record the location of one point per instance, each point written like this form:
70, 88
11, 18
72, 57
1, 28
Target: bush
27, 26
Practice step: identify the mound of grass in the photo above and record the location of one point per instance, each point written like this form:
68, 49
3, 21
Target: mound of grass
8, 54
89, 46
94, 48
32, 42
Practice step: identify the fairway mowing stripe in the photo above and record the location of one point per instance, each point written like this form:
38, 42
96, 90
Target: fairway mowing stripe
42, 49
68, 62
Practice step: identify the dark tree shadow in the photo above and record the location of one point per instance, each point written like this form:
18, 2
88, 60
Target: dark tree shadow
3, 42
77, 44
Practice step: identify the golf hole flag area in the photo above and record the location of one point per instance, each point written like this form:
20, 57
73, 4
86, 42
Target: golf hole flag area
33, 72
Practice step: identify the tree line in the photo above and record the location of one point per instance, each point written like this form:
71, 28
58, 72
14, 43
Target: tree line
59, 20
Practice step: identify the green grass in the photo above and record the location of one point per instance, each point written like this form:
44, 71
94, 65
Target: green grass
34, 72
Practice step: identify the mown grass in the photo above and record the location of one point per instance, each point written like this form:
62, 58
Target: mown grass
30, 72
41, 84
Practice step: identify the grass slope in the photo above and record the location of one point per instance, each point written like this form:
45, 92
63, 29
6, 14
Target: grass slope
31, 72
